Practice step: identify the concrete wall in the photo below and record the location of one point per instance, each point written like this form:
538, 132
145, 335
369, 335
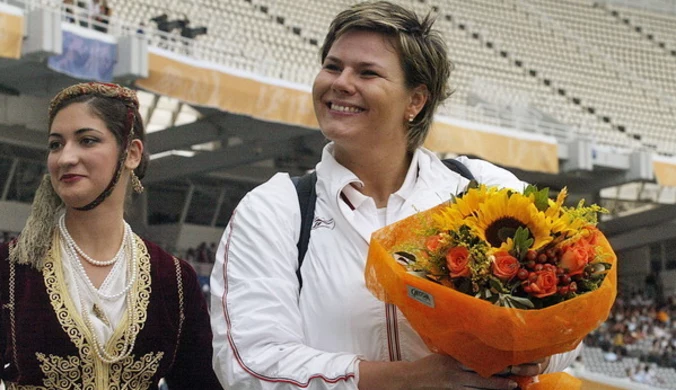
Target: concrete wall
13, 216
633, 266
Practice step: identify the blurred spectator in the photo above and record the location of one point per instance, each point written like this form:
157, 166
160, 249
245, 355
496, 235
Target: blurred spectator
212, 253
69, 9
202, 254
190, 255
639, 328
102, 17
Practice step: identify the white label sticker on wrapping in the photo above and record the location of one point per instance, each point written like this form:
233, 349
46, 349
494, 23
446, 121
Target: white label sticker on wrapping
420, 296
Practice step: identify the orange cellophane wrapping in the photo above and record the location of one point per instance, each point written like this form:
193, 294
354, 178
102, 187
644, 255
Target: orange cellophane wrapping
482, 336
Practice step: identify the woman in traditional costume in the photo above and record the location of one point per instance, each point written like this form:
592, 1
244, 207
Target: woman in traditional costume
86, 303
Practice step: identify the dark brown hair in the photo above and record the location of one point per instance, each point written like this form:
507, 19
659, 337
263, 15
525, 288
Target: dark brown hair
114, 113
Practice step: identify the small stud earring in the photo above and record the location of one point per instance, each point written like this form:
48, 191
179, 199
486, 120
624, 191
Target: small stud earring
411, 117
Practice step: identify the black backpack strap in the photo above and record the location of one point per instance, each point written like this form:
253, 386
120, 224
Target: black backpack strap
307, 198
458, 167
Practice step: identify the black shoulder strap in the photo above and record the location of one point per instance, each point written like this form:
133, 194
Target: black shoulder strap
307, 198
458, 167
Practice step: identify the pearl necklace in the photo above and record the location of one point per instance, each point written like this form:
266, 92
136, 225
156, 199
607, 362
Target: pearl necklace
129, 335
132, 331
98, 263
132, 269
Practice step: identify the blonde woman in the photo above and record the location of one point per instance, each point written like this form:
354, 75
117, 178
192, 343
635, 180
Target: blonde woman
384, 73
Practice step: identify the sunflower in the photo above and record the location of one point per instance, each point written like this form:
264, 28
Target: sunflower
453, 216
503, 213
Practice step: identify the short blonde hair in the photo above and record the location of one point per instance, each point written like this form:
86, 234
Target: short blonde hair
422, 50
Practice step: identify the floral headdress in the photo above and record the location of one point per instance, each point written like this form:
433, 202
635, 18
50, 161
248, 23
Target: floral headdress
35, 239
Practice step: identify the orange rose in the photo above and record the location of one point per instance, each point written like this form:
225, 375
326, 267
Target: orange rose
593, 237
505, 266
575, 258
433, 243
591, 241
544, 285
457, 260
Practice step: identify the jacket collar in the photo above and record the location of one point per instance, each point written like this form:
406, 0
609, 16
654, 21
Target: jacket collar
335, 179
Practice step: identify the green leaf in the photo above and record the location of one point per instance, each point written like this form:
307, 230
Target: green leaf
530, 189
522, 242
507, 300
542, 199
519, 302
497, 285
587, 285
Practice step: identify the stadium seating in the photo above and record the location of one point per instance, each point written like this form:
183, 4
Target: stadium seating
570, 62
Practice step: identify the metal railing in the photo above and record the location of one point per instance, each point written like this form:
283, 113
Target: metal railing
119, 27
498, 116
648, 5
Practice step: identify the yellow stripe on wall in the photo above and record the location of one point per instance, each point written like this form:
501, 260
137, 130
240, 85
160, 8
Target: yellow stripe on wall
275, 102
11, 35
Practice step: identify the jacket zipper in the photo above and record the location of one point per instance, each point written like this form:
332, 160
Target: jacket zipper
393, 344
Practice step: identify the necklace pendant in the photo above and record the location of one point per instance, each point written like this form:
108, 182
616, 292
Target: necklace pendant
98, 312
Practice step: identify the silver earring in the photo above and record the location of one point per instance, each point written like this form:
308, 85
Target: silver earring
411, 117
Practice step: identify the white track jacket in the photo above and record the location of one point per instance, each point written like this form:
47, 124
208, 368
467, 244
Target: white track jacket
266, 334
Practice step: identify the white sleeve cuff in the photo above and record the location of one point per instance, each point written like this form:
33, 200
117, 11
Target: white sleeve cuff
561, 361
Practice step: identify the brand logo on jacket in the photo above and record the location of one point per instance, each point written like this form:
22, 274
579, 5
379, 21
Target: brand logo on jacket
323, 223
420, 296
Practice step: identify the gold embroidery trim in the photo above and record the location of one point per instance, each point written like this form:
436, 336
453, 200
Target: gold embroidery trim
181, 307
86, 371
12, 311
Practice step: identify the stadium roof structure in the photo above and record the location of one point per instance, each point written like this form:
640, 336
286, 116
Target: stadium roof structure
230, 153
223, 149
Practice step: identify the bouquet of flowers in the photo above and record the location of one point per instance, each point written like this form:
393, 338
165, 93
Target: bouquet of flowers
497, 277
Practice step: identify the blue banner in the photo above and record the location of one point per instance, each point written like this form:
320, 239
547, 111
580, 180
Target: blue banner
85, 58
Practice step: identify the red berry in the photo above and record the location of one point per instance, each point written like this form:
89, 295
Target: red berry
531, 255
542, 258
564, 290
530, 264
522, 274
560, 271
550, 253
538, 267
549, 267
565, 279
